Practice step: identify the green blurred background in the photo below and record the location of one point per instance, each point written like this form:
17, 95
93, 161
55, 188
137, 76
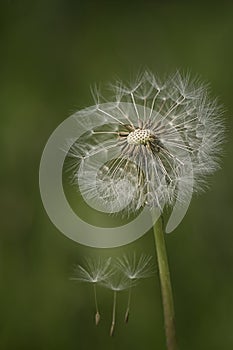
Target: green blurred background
51, 52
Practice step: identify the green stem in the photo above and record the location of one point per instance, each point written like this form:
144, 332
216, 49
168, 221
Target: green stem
166, 289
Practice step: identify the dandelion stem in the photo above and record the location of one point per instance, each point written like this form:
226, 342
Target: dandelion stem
113, 313
97, 314
166, 289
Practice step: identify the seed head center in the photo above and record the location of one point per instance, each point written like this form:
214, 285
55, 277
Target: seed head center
139, 137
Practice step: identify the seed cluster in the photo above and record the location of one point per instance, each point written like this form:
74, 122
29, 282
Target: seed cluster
139, 137
122, 273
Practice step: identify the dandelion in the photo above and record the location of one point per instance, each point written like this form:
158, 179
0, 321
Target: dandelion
117, 282
163, 137
94, 271
156, 141
134, 269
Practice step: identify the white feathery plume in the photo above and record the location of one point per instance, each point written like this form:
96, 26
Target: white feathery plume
135, 267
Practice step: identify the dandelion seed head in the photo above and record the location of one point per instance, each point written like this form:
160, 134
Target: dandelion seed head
156, 139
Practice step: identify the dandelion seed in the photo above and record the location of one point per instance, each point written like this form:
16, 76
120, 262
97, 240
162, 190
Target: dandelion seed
116, 283
94, 271
134, 269
164, 138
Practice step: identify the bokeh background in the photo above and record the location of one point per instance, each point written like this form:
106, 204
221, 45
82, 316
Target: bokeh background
51, 52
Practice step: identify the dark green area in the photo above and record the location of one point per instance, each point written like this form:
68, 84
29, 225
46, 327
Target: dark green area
51, 52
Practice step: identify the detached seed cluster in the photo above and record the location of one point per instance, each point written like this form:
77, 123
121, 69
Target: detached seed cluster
117, 275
